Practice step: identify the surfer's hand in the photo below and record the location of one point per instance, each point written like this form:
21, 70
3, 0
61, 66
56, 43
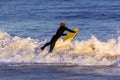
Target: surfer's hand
76, 32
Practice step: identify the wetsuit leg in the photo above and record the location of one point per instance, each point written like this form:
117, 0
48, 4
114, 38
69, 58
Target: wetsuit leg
53, 41
45, 45
49, 43
51, 47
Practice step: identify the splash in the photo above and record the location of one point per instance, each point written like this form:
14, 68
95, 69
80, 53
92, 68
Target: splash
87, 52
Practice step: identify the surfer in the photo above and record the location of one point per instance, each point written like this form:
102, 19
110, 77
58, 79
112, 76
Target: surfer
59, 33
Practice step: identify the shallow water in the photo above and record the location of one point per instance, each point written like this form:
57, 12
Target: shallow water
50, 72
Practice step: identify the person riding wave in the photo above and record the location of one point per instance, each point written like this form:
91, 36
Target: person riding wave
59, 33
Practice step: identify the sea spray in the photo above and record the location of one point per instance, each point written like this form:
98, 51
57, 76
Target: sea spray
85, 52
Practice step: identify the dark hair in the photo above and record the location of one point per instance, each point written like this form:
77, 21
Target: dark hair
62, 24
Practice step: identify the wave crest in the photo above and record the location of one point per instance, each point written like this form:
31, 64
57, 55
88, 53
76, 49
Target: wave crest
87, 52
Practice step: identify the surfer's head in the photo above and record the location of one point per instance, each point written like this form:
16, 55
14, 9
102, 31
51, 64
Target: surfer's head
62, 24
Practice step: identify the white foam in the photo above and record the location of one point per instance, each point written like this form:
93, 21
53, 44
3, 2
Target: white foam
88, 52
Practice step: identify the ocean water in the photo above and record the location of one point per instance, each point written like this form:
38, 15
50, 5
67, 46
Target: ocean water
47, 72
27, 25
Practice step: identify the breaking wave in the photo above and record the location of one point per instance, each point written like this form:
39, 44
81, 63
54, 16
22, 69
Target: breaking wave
87, 52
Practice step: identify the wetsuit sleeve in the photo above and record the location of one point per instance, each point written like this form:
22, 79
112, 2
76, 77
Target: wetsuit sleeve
64, 34
70, 30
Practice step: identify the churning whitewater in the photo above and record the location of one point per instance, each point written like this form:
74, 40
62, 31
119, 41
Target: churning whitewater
87, 52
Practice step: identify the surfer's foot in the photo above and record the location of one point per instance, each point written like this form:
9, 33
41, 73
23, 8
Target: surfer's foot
41, 50
50, 52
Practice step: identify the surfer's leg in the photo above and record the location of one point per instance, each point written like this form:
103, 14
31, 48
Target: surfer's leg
53, 41
42, 48
51, 47
49, 43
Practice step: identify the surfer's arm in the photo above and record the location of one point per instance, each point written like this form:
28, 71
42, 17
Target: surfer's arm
70, 30
64, 34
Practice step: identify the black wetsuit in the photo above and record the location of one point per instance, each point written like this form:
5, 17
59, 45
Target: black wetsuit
59, 33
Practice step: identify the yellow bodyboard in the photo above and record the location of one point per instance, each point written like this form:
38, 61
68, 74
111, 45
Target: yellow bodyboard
70, 36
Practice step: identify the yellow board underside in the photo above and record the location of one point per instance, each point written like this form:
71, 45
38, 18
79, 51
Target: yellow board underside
70, 36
